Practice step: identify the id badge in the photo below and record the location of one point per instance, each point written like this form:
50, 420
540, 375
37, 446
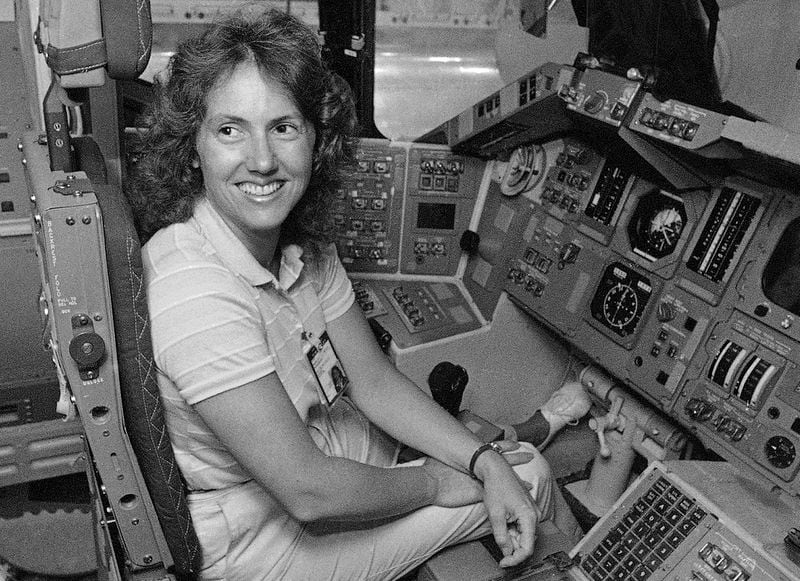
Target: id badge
327, 368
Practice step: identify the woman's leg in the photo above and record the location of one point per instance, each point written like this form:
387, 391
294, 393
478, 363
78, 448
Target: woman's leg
391, 548
253, 539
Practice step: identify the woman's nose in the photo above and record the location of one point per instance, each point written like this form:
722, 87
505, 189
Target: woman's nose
261, 157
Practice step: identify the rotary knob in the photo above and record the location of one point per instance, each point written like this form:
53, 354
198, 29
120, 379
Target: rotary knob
666, 312
595, 102
87, 350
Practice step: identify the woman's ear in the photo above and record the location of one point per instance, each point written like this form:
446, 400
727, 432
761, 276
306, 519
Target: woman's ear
196, 162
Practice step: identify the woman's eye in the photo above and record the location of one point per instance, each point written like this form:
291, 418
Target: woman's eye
286, 129
228, 131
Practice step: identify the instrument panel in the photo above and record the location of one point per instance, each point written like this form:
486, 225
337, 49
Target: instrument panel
404, 208
399, 217
686, 296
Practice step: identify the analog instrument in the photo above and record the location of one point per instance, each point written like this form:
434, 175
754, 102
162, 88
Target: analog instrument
621, 298
780, 451
657, 224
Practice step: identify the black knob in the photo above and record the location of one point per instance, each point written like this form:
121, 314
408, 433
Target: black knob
469, 242
447, 382
88, 350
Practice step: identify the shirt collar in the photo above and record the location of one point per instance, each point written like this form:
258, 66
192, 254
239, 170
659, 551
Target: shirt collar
235, 255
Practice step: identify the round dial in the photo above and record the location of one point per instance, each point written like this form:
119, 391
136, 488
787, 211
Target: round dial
620, 306
656, 225
780, 451
620, 299
665, 229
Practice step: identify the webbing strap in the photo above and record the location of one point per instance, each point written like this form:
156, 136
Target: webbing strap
76, 59
124, 48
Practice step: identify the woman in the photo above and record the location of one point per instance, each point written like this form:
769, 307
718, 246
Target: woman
291, 476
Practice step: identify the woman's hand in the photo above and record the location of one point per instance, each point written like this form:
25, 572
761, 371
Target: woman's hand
512, 512
453, 487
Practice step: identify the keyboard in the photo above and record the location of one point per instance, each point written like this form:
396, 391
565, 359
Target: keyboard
663, 529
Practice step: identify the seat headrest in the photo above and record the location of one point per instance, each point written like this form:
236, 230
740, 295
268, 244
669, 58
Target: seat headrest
82, 38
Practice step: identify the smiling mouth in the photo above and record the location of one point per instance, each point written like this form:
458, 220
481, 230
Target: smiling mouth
252, 189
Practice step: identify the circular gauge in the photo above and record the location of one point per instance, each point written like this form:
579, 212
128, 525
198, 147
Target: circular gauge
780, 451
665, 229
621, 298
656, 225
620, 306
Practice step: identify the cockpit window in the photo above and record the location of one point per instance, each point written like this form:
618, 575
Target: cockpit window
781, 278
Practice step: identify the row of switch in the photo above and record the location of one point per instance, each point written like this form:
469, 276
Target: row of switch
704, 411
407, 304
358, 203
675, 126
577, 180
530, 283
722, 563
439, 183
356, 225
380, 166
371, 252
437, 166
561, 199
363, 297
423, 247
672, 349
538, 261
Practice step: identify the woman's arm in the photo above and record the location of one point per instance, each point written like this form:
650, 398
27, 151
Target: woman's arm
260, 426
396, 405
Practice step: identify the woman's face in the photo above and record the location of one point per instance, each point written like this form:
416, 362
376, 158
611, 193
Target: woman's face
255, 151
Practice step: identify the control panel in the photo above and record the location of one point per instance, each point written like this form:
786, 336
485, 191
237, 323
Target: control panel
527, 109
742, 393
404, 208
368, 209
684, 292
399, 218
440, 197
677, 123
665, 528
417, 311
601, 96
688, 297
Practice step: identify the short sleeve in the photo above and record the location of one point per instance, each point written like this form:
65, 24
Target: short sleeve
207, 331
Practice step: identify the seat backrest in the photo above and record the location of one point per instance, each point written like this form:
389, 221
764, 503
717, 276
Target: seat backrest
142, 409
92, 280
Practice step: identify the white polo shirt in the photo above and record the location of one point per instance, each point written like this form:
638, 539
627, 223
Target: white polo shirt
221, 320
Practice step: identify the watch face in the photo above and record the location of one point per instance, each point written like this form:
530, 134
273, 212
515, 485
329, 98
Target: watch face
656, 225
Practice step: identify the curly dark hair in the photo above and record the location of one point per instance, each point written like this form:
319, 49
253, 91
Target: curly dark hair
163, 186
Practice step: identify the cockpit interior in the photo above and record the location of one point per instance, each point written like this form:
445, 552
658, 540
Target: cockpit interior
606, 191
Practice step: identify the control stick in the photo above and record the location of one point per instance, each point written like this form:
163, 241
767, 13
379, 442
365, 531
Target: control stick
447, 382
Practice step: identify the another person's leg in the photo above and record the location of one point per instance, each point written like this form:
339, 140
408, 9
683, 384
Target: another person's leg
566, 405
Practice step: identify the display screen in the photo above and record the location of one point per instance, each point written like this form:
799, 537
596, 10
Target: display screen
781, 278
436, 216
